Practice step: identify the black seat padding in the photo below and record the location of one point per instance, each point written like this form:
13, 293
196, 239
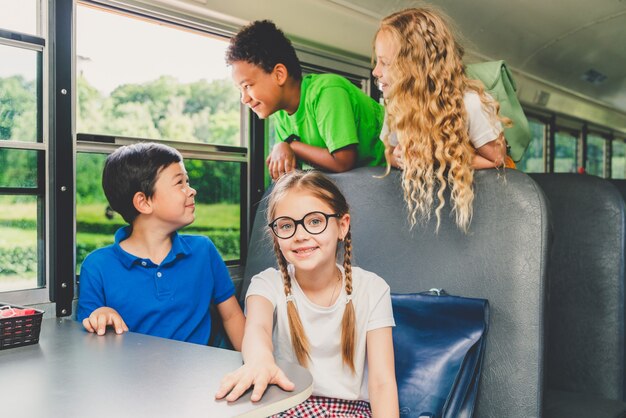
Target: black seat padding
585, 348
621, 186
579, 405
502, 259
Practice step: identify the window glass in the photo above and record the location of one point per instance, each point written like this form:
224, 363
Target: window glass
533, 159
19, 168
178, 88
18, 93
595, 155
19, 245
217, 205
565, 153
618, 160
19, 16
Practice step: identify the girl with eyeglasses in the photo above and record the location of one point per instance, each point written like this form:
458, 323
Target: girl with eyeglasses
333, 319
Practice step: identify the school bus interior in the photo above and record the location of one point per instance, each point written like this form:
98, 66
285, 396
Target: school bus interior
546, 245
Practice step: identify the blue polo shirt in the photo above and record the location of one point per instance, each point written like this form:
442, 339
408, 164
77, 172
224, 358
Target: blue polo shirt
169, 300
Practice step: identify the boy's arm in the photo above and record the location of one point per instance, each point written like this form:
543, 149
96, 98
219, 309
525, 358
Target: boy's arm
233, 320
92, 310
259, 368
338, 161
383, 391
283, 158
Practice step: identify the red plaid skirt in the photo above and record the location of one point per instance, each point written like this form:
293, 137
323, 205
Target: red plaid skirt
321, 407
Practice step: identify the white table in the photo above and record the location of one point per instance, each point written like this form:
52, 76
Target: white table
72, 373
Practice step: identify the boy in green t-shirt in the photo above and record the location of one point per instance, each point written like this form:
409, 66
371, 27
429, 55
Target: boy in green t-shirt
322, 119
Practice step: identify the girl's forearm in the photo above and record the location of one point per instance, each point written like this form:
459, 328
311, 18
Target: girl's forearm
257, 347
384, 401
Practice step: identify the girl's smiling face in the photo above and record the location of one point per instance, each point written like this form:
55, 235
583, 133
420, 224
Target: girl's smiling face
306, 251
386, 51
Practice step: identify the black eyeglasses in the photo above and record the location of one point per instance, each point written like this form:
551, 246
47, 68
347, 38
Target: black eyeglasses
314, 223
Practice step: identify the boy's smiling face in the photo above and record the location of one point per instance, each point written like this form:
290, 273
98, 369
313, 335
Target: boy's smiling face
260, 91
173, 201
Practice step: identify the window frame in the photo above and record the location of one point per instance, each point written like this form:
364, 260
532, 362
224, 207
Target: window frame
39, 44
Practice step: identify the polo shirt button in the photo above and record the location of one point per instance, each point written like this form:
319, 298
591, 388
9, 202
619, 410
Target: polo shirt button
159, 274
143, 263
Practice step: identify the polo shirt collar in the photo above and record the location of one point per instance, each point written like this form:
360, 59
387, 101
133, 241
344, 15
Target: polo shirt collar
179, 248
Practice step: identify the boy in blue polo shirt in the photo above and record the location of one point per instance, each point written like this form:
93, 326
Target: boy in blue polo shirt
153, 280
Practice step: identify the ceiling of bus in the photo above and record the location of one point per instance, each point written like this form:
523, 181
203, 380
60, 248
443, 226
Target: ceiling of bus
579, 45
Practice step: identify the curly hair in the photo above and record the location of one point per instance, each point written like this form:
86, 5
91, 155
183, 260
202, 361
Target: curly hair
425, 108
261, 43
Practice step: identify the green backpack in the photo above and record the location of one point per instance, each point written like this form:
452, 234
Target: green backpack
499, 83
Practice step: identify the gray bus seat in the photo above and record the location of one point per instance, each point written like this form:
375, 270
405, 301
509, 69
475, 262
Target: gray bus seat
502, 259
585, 345
620, 185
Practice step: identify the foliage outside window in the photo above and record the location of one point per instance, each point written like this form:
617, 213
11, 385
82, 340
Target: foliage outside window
22, 178
533, 159
19, 253
595, 155
618, 160
166, 92
565, 153
19, 217
18, 94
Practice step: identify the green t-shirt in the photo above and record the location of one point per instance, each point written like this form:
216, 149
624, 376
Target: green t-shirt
333, 113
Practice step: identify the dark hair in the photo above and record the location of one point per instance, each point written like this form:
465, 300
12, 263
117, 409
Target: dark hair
131, 169
261, 43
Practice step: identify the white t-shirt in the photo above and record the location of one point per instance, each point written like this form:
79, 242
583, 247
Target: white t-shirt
322, 325
482, 127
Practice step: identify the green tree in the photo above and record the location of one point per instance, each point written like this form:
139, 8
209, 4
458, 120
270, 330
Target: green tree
92, 108
175, 125
18, 97
217, 95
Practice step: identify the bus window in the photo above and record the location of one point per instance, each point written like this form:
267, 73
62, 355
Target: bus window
595, 155
217, 205
618, 158
23, 149
147, 86
22, 18
182, 96
533, 160
566, 152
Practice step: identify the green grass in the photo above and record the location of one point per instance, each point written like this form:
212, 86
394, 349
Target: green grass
215, 216
18, 223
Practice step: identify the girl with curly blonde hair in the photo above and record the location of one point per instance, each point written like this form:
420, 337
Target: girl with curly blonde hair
440, 125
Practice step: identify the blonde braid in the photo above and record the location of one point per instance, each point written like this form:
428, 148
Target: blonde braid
299, 340
348, 329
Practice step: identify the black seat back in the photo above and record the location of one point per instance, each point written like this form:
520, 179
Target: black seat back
585, 349
502, 259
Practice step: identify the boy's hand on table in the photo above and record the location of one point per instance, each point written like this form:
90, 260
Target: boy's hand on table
101, 317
